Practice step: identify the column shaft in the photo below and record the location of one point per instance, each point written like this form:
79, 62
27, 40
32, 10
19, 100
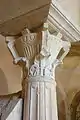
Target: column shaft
41, 99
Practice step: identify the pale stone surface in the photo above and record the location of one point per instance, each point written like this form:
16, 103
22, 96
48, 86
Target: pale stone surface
72, 9
7, 104
10, 75
16, 113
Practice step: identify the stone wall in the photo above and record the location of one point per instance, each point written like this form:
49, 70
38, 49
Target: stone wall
68, 82
9, 74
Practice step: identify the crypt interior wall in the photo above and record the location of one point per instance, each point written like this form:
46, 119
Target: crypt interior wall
68, 84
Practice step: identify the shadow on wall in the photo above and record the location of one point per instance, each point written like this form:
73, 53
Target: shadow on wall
3, 83
61, 104
62, 111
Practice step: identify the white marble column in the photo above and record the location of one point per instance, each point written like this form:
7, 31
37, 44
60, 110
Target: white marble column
41, 99
40, 102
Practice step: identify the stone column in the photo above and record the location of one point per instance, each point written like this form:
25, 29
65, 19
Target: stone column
41, 102
41, 52
41, 99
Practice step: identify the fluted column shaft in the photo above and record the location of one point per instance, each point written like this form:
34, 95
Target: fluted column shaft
41, 99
